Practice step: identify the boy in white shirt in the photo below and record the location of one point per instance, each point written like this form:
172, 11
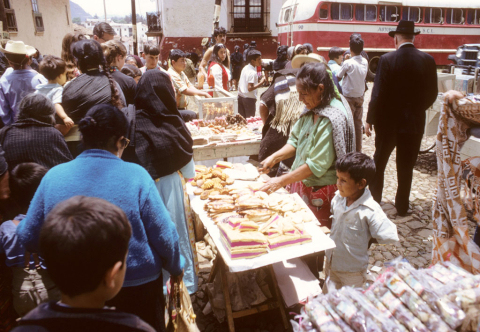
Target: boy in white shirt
353, 72
248, 85
55, 71
357, 218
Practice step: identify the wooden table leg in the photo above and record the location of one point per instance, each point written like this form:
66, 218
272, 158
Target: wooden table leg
226, 295
279, 297
213, 271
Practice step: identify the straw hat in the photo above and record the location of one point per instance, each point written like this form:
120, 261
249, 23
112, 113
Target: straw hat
300, 59
18, 47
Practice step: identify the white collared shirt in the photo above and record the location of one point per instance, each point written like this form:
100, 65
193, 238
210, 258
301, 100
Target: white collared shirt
352, 229
249, 75
407, 43
353, 71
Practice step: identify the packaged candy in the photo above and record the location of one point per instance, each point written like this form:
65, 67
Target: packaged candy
442, 274
347, 311
380, 307
465, 298
402, 314
371, 313
450, 313
416, 305
320, 318
457, 269
338, 320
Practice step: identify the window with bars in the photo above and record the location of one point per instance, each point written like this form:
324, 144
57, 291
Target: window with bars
11, 24
412, 14
35, 6
248, 16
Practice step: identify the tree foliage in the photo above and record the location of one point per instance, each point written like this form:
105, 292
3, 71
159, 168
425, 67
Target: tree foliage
128, 19
77, 20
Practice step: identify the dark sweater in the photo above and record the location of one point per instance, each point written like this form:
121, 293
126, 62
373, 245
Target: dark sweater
52, 317
127, 84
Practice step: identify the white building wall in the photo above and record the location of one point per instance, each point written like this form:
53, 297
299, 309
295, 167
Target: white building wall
55, 20
192, 20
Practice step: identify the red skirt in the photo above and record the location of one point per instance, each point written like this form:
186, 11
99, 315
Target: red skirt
318, 200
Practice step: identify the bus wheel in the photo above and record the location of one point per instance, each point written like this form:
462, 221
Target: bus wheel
372, 68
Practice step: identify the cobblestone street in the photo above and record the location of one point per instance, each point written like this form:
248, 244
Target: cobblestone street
414, 230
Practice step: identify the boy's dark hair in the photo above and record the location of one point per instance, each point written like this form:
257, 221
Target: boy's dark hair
24, 181
356, 45
335, 52
151, 49
253, 55
102, 28
309, 47
131, 70
102, 126
176, 54
81, 239
219, 31
355, 35
52, 66
358, 165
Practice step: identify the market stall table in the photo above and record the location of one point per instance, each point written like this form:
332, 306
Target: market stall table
223, 261
225, 150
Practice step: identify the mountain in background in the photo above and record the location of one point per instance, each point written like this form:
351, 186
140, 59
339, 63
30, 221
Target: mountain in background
78, 12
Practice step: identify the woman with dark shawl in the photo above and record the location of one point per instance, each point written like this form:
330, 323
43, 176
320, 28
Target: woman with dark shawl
237, 65
163, 146
281, 60
33, 137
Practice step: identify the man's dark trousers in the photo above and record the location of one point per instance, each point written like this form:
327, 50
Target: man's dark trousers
408, 146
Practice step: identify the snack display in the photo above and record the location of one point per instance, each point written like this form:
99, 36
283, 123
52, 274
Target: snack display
401, 299
208, 180
225, 129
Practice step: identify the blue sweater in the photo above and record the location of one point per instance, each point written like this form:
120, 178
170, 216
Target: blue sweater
99, 173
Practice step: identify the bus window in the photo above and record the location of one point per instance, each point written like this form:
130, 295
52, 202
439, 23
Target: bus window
342, 11
433, 15
412, 14
473, 16
324, 11
455, 16
286, 17
366, 13
392, 14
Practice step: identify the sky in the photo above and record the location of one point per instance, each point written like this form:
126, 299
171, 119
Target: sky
117, 7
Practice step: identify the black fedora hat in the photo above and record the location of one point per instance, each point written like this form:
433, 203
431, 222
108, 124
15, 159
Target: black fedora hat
406, 27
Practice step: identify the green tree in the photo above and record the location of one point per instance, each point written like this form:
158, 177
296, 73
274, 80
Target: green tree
77, 20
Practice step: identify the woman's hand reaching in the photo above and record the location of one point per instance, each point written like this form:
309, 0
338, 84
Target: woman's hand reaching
267, 165
273, 185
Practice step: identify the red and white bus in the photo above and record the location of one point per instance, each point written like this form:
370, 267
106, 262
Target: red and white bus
444, 25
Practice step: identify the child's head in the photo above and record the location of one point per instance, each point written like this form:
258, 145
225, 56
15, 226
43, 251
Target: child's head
177, 57
151, 55
336, 54
356, 46
54, 69
219, 54
115, 53
255, 58
84, 242
24, 181
355, 170
132, 71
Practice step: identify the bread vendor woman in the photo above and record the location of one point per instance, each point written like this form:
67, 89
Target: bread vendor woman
323, 133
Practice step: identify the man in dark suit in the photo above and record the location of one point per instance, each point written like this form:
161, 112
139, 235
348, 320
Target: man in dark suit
405, 87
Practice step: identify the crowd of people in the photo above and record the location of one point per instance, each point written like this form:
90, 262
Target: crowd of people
95, 156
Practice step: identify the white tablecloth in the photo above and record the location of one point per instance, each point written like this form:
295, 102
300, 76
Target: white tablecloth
320, 241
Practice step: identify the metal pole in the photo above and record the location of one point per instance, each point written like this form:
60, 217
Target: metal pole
134, 28
105, 10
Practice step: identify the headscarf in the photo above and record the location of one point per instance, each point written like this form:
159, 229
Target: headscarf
281, 59
163, 143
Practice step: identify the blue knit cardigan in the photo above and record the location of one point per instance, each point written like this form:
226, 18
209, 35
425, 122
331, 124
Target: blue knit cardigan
99, 173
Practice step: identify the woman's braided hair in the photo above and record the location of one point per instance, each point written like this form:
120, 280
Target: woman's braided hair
89, 55
67, 44
111, 50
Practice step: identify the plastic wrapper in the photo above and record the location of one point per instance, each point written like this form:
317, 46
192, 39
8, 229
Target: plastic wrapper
416, 305
371, 313
304, 323
448, 310
347, 311
442, 274
380, 307
465, 298
338, 320
463, 284
456, 269
320, 318
402, 314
